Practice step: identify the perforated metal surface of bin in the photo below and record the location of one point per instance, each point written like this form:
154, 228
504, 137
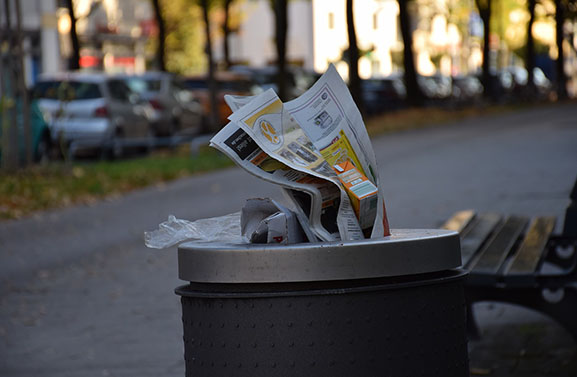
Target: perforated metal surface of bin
381, 307
403, 326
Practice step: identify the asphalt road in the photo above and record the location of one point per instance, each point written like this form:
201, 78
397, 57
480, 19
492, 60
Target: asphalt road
80, 295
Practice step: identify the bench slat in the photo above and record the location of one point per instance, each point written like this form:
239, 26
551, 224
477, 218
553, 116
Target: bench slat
459, 221
531, 252
477, 232
494, 253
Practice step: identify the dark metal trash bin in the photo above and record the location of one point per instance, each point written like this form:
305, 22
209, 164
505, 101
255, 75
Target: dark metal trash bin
388, 307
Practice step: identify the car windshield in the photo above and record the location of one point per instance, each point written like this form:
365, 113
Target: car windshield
140, 85
67, 90
235, 85
195, 84
119, 90
227, 85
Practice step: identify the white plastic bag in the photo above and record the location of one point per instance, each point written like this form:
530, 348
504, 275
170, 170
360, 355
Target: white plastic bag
169, 233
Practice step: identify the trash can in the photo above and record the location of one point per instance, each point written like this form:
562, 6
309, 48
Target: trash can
377, 307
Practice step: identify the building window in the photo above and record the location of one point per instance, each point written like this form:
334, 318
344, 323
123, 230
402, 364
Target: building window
376, 67
399, 31
331, 20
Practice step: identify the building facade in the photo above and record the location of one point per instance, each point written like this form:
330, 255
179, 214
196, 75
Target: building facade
317, 36
39, 35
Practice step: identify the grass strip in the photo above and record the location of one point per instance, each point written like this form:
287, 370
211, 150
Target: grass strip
414, 118
61, 184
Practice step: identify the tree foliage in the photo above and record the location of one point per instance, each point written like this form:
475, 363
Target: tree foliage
184, 42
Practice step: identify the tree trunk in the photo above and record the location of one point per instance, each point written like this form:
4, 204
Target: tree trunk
484, 7
22, 87
415, 95
281, 30
560, 64
226, 34
354, 79
530, 62
8, 108
74, 60
212, 87
160, 56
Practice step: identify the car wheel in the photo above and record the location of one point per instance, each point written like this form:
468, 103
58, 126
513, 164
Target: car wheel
150, 140
174, 127
114, 148
44, 150
205, 126
118, 145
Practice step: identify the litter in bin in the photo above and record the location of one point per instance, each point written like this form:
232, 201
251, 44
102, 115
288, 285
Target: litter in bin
297, 145
266, 221
261, 220
174, 231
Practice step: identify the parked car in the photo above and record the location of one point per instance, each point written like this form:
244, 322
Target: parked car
91, 110
176, 111
39, 131
382, 94
435, 87
297, 78
227, 83
500, 86
466, 88
520, 77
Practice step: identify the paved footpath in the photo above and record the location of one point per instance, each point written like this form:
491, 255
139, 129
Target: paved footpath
81, 296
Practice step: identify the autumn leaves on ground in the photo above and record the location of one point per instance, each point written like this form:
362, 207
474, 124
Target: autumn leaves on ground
60, 184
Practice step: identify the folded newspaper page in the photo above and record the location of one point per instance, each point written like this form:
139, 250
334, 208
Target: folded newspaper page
317, 148
277, 134
242, 149
329, 116
315, 200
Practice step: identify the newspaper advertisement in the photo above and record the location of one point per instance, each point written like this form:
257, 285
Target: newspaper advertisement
281, 137
330, 118
315, 200
305, 144
243, 150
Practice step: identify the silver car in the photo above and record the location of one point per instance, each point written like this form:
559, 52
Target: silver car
176, 111
92, 110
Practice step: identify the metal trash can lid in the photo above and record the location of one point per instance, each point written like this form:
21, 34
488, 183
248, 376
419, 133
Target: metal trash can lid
405, 252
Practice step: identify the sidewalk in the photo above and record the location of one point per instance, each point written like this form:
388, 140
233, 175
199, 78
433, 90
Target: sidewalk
83, 297
519, 342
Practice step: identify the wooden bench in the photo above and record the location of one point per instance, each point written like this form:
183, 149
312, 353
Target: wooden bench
518, 260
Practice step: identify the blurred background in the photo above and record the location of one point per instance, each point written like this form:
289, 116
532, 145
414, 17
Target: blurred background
99, 98
114, 78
